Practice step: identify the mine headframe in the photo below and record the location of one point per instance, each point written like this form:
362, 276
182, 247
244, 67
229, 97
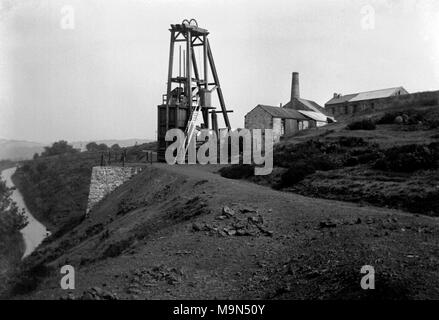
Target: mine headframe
189, 94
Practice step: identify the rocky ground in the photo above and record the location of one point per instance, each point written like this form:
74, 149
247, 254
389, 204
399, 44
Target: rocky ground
185, 232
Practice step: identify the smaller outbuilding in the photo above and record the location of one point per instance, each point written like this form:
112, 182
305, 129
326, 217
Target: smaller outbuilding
282, 121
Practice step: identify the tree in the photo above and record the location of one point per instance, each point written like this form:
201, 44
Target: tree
57, 148
11, 220
92, 146
115, 147
36, 155
102, 147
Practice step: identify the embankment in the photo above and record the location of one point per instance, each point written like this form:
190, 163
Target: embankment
11, 241
183, 232
56, 189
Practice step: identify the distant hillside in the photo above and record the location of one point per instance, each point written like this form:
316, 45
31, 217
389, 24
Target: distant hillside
24, 150
19, 150
109, 142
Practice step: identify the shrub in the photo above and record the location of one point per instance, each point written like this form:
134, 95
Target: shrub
389, 117
409, 158
350, 142
362, 156
116, 248
285, 155
412, 117
58, 148
322, 163
296, 173
125, 206
67, 226
434, 124
429, 102
29, 278
237, 171
365, 124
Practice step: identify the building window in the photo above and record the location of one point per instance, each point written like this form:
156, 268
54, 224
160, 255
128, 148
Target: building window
303, 125
282, 127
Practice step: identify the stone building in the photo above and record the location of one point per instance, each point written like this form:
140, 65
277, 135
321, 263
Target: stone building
282, 121
297, 114
351, 104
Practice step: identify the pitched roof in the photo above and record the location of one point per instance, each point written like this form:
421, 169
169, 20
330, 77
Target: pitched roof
307, 105
283, 113
375, 94
317, 116
341, 99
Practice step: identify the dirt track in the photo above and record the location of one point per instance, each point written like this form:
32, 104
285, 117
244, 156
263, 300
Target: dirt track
164, 235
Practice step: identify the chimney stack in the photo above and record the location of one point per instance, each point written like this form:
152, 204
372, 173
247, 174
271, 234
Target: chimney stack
295, 92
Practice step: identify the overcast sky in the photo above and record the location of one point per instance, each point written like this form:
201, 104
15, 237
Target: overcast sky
104, 78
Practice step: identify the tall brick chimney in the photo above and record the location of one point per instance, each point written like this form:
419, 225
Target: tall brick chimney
295, 91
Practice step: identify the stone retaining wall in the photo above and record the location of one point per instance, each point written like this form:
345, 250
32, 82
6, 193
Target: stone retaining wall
105, 180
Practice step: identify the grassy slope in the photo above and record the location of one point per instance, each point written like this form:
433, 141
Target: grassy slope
141, 243
56, 188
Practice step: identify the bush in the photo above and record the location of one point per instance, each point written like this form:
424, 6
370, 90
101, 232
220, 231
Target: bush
350, 142
322, 163
296, 173
365, 124
285, 155
92, 146
58, 148
362, 156
409, 158
389, 117
237, 171
412, 117
29, 277
11, 219
115, 249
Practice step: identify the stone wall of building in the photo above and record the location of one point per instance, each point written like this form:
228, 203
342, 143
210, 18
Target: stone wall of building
291, 126
105, 180
277, 129
258, 119
418, 99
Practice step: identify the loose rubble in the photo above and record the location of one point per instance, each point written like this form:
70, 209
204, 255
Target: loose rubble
232, 224
144, 278
93, 293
